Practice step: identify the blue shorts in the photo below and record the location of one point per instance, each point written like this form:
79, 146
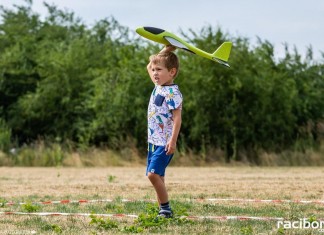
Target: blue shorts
157, 160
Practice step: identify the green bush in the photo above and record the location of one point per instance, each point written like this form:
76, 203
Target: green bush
5, 137
61, 79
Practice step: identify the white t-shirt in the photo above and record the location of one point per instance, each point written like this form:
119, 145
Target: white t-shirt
160, 122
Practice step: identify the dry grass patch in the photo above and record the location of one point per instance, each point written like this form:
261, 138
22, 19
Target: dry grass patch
44, 184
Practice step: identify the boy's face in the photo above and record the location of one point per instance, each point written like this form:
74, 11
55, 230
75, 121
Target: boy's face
161, 75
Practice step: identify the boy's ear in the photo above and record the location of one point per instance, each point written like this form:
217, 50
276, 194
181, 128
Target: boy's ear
173, 71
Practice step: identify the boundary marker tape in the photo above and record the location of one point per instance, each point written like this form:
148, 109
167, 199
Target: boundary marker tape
192, 217
221, 218
263, 200
75, 201
186, 199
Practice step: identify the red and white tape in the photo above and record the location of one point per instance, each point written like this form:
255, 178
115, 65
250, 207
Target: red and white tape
221, 218
153, 200
65, 214
75, 201
262, 200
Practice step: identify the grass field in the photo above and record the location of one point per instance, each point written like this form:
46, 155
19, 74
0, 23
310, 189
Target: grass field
45, 184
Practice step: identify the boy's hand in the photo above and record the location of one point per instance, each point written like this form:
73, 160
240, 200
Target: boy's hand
170, 148
168, 48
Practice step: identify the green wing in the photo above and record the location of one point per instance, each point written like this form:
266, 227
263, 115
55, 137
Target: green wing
221, 55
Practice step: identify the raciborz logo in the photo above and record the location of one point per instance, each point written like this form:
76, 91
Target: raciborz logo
301, 224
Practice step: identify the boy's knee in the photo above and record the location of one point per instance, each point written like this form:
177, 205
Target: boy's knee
152, 176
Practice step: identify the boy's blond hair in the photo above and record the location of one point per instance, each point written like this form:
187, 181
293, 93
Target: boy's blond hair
169, 59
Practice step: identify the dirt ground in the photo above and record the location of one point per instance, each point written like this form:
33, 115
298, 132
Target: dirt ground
182, 182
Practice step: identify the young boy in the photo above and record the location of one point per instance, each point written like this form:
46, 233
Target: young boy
164, 122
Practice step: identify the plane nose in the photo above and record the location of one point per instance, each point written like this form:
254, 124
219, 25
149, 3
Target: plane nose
154, 30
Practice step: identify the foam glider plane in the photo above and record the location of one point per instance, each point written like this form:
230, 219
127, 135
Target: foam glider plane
221, 55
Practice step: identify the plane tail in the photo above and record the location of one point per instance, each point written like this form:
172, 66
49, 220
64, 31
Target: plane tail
222, 53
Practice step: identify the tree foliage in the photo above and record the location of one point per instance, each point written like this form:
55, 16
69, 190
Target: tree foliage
62, 80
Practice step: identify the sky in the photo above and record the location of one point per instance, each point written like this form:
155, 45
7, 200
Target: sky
298, 23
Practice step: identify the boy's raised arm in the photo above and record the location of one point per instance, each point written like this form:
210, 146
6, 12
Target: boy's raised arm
168, 48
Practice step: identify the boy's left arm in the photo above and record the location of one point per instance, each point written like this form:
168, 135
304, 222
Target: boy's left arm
172, 143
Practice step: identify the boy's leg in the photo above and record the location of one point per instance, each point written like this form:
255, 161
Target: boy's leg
162, 195
156, 165
162, 178
159, 186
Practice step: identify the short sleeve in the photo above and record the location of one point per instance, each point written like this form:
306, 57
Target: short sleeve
174, 98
